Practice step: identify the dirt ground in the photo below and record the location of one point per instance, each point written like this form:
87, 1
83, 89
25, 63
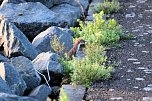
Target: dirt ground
132, 80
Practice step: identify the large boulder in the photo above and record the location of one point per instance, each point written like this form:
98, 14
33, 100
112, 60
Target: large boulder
48, 61
69, 12
47, 3
12, 78
11, 97
4, 87
43, 40
74, 93
12, 1
47, 64
26, 69
38, 92
82, 4
15, 42
32, 18
3, 58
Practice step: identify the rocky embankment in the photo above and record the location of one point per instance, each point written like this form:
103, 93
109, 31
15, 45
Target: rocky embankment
27, 60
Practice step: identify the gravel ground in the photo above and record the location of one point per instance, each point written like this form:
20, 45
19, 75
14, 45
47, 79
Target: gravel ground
133, 78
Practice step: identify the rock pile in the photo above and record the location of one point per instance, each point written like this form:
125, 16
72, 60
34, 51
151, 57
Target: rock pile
27, 60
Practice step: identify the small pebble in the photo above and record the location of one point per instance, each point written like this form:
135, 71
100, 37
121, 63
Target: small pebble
150, 31
136, 63
141, 35
147, 70
140, 79
130, 15
147, 98
145, 51
116, 98
136, 87
142, 68
145, 33
147, 89
129, 71
136, 43
150, 85
141, 1
137, 30
132, 59
131, 6
111, 90
128, 79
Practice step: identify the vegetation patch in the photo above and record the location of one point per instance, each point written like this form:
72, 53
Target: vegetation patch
100, 31
98, 34
109, 7
91, 67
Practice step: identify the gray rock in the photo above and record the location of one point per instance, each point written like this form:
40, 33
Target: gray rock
15, 42
12, 1
4, 87
12, 78
32, 18
147, 98
48, 65
47, 3
28, 72
41, 92
69, 12
82, 4
42, 41
11, 97
74, 94
47, 60
130, 15
3, 58
141, 1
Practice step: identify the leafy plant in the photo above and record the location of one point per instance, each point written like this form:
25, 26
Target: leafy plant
57, 46
108, 7
90, 68
99, 31
128, 36
95, 53
67, 65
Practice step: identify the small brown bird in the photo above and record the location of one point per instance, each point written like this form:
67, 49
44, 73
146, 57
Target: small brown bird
76, 47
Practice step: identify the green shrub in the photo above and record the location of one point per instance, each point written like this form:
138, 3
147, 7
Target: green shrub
57, 46
90, 68
86, 73
63, 58
95, 53
67, 68
99, 31
127, 36
108, 7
